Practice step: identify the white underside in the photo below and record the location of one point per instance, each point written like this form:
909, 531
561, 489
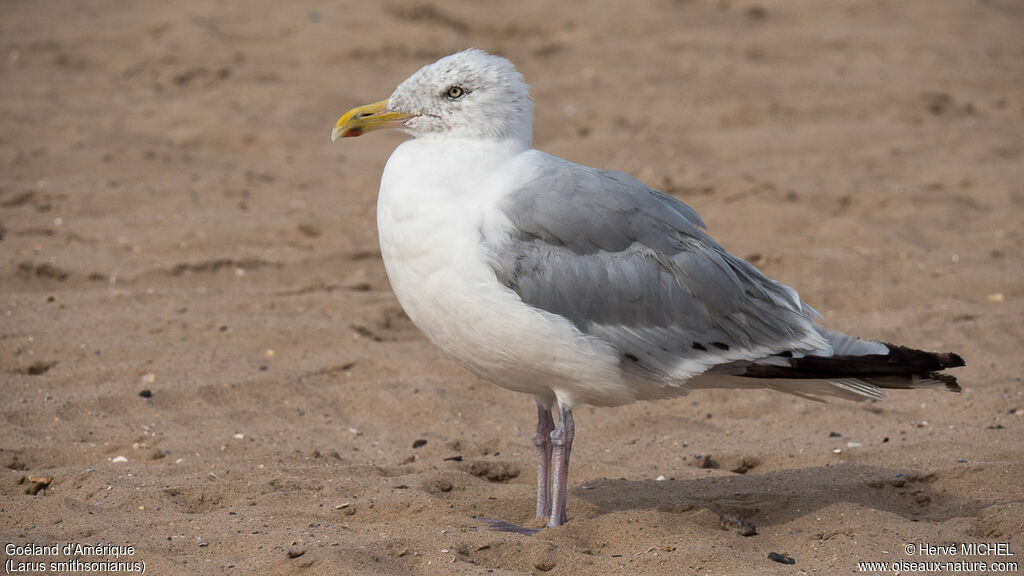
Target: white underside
431, 225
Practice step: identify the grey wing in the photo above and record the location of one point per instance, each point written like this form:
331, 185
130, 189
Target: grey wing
634, 267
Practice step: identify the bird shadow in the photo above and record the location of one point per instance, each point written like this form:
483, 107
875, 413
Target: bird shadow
503, 526
779, 496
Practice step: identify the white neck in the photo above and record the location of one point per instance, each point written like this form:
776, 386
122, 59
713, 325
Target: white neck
436, 159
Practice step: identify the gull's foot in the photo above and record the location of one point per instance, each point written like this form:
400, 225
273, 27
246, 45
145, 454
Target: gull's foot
556, 521
502, 526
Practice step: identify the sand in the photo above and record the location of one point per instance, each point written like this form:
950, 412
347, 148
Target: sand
199, 348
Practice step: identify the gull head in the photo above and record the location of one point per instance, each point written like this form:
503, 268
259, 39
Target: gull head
470, 94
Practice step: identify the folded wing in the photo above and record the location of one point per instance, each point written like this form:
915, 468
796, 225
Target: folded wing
634, 267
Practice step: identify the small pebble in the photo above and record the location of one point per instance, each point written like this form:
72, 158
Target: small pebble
118, 459
545, 565
201, 543
834, 435
733, 523
239, 436
660, 478
146, 393
39, 483
780, 558
419, 443
745, 464
296, 552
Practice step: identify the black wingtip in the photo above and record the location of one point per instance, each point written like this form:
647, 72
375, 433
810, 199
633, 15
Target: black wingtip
947, 380
921, 361
952, 360
902, 368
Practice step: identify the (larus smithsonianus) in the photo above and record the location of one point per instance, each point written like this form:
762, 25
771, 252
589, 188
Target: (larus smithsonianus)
578, 285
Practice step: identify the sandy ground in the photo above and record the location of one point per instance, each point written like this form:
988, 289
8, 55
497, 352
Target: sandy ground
174, 219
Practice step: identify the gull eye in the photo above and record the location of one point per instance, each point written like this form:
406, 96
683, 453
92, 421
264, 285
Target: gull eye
454, 92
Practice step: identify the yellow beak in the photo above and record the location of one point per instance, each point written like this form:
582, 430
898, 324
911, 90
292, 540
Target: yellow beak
368, 118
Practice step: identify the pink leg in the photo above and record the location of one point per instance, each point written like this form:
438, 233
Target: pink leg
542, 439
561, 440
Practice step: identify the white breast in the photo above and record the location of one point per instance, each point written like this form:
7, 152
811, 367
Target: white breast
431, 237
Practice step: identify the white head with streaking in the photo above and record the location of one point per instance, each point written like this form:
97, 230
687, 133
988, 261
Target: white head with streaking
469, 94
583, 286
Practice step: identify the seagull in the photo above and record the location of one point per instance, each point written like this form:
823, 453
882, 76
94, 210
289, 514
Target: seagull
583, 286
